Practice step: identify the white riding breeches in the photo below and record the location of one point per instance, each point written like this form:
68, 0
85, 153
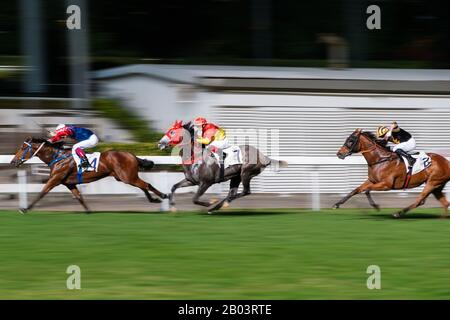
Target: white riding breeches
406, 146
220, 144
88, 143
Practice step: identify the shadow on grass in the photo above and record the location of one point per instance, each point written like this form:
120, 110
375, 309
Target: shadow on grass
408, 216
124, 212
237, 212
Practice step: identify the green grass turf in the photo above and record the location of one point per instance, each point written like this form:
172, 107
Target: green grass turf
237, 254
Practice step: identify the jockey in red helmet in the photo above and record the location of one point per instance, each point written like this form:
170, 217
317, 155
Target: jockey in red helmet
85, 139
211, 135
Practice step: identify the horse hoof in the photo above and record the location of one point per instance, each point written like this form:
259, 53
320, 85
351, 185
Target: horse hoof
22, 210
213, 201
173, 209
226, 204
397, 215
165, 196
336, 206
156, 200
210, 212
376, 207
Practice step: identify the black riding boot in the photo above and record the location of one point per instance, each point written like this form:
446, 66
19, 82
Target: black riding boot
410, 158
85, 162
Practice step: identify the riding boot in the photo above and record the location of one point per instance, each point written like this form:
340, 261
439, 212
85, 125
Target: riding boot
84, 162
409, 157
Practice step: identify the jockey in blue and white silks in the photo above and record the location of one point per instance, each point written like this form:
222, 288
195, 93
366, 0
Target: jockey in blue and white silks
85, 139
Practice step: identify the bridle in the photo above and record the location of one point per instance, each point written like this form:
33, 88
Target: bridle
371, 148
29, 149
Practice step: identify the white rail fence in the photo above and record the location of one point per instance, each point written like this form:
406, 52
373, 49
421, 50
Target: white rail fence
312, 175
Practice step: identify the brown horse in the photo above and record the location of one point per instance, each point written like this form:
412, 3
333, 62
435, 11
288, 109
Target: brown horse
387, 172
123, 166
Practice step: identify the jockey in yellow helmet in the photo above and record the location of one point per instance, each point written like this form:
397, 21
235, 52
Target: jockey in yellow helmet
403, 140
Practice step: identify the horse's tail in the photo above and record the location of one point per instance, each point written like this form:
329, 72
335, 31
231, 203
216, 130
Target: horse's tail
279, 163
145, 164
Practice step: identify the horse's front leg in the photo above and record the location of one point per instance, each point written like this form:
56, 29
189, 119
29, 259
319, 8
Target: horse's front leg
367, 186
200, 191
51, 183
371, 201
356, 191
183, 183
76, 193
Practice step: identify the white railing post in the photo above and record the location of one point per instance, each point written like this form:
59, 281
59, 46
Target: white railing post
166, 189
315, 190
22, 181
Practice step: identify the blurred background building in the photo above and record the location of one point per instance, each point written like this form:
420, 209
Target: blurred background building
310, 69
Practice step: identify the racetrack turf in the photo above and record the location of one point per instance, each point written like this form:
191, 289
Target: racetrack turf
235, 254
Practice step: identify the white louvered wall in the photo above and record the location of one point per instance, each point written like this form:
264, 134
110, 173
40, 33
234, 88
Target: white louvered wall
320, 131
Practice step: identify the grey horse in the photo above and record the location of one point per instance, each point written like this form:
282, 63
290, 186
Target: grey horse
208, 171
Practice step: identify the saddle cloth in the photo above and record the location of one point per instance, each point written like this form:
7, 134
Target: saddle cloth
94, 160
423, 161
233, 156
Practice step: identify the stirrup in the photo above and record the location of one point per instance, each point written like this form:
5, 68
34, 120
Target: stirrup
85, 164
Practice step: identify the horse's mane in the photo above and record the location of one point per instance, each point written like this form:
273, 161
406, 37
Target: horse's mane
189, 127
57, 145
372, 137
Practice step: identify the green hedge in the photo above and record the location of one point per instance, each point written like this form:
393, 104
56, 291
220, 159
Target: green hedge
126, 119
140, 149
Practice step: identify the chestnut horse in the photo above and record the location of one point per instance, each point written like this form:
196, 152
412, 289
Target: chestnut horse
123, 166
387, 172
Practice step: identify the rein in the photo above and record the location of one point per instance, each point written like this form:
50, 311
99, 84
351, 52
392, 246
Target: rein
373, 147
390, 158
55, 158
28, 150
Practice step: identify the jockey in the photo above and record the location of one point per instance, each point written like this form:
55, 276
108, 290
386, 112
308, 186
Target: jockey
403, 140
211, 135
85, 139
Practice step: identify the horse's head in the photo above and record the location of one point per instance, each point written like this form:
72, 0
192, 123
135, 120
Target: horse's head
351, 145
26, 151
177, 134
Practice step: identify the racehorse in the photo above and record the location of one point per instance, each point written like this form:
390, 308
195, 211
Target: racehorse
123, 166
387, 172
208, 172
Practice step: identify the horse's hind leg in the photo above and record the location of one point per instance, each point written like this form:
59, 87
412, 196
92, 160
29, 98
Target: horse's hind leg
145, 187
420, 200
76, 193
442, 199
134, 180
371, 202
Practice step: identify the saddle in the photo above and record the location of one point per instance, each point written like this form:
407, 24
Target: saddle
423, 161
